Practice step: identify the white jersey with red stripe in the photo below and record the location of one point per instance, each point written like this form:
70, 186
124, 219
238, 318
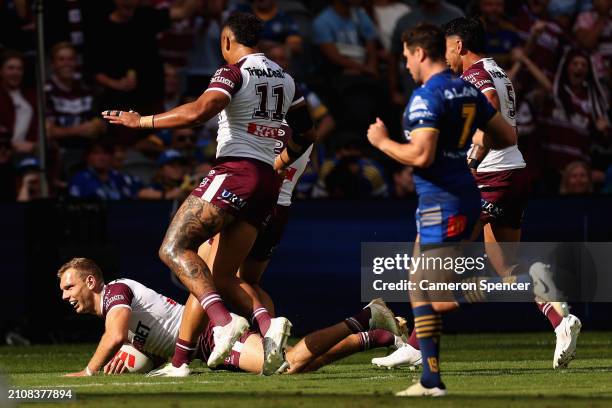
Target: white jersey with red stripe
487, 76
154, 318
293, 172
261, 94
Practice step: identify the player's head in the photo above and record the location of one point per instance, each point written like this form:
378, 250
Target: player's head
239, 30
80, 279
463, 36
422, 44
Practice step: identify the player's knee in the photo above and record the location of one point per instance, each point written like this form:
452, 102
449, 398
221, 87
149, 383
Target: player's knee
443, 307
225, 281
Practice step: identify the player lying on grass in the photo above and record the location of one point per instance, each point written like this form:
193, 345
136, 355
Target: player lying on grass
149, 322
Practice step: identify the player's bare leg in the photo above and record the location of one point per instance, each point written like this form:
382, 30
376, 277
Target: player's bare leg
251, 272
195, 222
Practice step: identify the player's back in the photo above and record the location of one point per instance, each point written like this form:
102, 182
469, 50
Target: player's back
261, 93
487, 76
455, 108
154, 318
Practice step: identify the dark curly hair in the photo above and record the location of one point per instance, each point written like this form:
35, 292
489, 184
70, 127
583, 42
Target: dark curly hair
246, 27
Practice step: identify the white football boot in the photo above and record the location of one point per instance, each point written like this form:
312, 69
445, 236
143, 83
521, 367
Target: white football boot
274, 343
405, 355
225, 337
382, 317
170, 371
418, 390
567, 334
544, 287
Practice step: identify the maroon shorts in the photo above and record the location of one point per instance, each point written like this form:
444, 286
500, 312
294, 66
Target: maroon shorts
503, 196
245, 188
269, 237
206, 343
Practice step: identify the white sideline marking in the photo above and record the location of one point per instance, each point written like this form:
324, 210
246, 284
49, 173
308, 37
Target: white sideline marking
120, 383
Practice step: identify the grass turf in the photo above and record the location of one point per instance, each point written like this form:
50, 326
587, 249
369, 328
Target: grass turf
508, 370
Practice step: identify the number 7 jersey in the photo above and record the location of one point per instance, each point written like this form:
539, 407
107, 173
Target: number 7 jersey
454, 109
261, 93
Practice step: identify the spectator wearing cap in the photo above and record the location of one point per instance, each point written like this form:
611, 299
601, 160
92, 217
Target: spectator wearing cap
72, 115
17, 105
28, 179
99, 180
170, 181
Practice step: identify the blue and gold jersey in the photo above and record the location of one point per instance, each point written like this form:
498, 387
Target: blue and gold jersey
455, 108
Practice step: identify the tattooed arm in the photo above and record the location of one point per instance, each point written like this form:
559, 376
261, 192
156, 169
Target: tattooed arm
195, 222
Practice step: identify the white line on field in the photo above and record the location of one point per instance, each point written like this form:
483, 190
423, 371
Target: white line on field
120, 383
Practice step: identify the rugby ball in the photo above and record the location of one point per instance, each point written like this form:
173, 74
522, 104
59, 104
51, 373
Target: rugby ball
135, 360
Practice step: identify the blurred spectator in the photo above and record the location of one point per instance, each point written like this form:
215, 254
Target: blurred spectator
205, 56
129, 66
566, 122
350, 175
576, 179
176, 42
564, 11
278, 26
17, 106
594, 32
28, 180
403, 183
346, 37
501, 36
170, 181
543, 39
7, 170
172, 87
72, 115
436, 12
99, 180
386, 15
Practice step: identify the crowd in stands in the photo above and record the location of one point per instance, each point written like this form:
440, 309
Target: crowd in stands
152, 55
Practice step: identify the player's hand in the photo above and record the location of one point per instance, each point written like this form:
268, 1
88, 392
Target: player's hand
115, 366
128, 119
538, 27
81, 373
377, 133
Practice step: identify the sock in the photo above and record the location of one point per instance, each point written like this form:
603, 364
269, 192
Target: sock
549, 311
413, 340
376, 338
262, 317
183, 352
428, 327
215, 309
360, 322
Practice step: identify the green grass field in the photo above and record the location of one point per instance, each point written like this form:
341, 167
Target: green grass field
492, 370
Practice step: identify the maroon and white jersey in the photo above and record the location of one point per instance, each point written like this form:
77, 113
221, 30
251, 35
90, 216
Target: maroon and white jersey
487, 76
261, 94
154, 320
294, 172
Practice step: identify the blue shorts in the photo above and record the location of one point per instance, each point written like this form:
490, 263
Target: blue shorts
446, 217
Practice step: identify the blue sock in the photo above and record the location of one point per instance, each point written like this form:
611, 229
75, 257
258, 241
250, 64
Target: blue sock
428, 326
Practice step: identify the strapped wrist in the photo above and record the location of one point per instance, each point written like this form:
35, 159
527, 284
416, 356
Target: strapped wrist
147, 122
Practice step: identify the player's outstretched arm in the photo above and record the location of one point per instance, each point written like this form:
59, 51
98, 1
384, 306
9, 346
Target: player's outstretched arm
420, 152
499, 134
190, 114
304, 134
115, 334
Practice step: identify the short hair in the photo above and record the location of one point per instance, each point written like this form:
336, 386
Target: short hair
61, 46
470, 30
83, 266
427, 36
246, 27
9, 55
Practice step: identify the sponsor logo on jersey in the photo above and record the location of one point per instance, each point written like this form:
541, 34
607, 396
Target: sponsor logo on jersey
110, 300
456, 225
278, 146
263, 130
222, 80
418, 103
498, 74
140, 335
268, 73
232, 199
464, 92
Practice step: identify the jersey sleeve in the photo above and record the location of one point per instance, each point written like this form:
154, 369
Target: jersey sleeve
227, 79
423, 111
117, 294
298, 95
485, 111
480, 78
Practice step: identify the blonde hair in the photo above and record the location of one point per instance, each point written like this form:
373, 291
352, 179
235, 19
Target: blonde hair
83, 266
567, 171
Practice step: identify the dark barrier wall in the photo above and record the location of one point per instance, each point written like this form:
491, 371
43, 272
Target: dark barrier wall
314, 276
